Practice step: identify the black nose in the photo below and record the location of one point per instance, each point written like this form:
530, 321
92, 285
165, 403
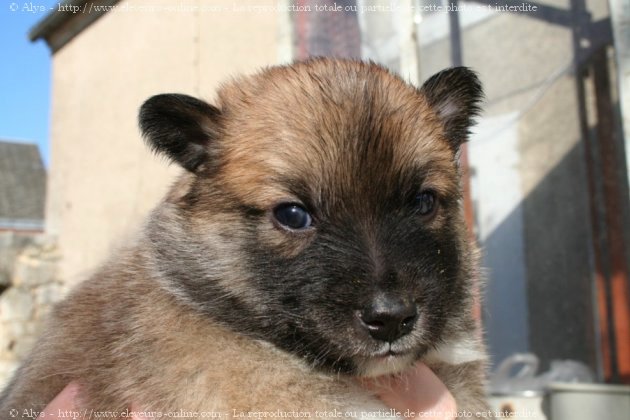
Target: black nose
388, 319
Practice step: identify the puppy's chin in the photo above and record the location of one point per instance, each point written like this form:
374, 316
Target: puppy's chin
388, 364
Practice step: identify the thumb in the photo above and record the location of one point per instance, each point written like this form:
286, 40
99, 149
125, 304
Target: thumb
418, 392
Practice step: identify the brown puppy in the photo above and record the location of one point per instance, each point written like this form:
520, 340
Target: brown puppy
317, 235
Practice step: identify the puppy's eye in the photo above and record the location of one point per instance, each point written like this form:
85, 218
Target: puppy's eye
426, 203
292, 216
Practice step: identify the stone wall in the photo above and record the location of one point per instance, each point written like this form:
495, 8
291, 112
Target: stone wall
29, 286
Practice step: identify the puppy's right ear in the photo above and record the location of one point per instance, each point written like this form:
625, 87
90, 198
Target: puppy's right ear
181, 127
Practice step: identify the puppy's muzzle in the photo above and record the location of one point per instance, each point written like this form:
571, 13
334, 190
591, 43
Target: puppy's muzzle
388, 318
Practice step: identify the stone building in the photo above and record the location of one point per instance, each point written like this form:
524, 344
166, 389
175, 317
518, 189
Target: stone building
28, 264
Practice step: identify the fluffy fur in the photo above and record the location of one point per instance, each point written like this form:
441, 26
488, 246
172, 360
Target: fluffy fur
218, 307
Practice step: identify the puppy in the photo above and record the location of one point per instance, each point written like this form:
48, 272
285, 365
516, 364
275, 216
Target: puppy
316, 236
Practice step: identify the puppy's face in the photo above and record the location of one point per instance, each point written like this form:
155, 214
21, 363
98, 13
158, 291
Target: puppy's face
322, 210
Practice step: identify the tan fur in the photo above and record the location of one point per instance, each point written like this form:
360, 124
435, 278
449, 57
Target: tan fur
248, 175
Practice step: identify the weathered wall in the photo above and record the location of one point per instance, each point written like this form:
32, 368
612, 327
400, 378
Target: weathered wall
29, 264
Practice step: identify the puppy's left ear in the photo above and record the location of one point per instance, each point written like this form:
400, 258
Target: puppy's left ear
181, 127
455, 94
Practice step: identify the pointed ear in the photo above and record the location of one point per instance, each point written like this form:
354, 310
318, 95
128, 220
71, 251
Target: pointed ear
181, 127
455, 95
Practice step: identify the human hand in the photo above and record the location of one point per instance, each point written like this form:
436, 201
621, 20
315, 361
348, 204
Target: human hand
416, 391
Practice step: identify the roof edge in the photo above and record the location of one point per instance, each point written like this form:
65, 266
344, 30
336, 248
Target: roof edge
67, 20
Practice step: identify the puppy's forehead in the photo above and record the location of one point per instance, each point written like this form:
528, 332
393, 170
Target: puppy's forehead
344, 126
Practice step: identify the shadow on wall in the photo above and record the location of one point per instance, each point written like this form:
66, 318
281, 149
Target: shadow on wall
540, 295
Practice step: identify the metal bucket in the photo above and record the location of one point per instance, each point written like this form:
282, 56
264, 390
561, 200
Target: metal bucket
578, 401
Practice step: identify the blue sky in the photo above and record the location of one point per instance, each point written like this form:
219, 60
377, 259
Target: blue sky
24, 77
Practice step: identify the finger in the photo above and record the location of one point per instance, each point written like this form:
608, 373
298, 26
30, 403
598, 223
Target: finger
418, 391
64, 406
62, 403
